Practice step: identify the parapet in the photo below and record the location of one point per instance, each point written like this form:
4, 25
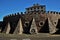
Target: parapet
53, 12
15, 14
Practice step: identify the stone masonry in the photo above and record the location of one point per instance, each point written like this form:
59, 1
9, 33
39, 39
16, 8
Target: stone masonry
33, 21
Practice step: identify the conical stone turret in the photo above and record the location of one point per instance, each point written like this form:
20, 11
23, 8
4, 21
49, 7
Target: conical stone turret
52, 27
19, 28
33, 29
7, 28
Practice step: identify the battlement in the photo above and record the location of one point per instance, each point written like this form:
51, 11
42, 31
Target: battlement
15, 14
44, 20
21, 13
53, 12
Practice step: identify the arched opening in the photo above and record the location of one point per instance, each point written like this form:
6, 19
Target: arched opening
41, 23
45, 27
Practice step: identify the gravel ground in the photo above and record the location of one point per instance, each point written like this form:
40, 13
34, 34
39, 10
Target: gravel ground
41, 36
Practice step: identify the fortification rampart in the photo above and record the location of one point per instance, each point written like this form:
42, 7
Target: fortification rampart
15, 14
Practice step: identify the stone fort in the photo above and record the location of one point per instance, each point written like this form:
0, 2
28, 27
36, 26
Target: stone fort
33, 21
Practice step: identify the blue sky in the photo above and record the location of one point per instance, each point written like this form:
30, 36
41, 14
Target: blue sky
14, 6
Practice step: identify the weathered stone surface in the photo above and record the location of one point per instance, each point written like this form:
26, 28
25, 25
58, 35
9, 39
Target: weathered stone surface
7, 28
33, 28
52, 28
19, 28
39, 23
53, 21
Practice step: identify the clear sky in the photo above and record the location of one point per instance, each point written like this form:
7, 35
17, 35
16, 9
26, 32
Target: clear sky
13, 6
